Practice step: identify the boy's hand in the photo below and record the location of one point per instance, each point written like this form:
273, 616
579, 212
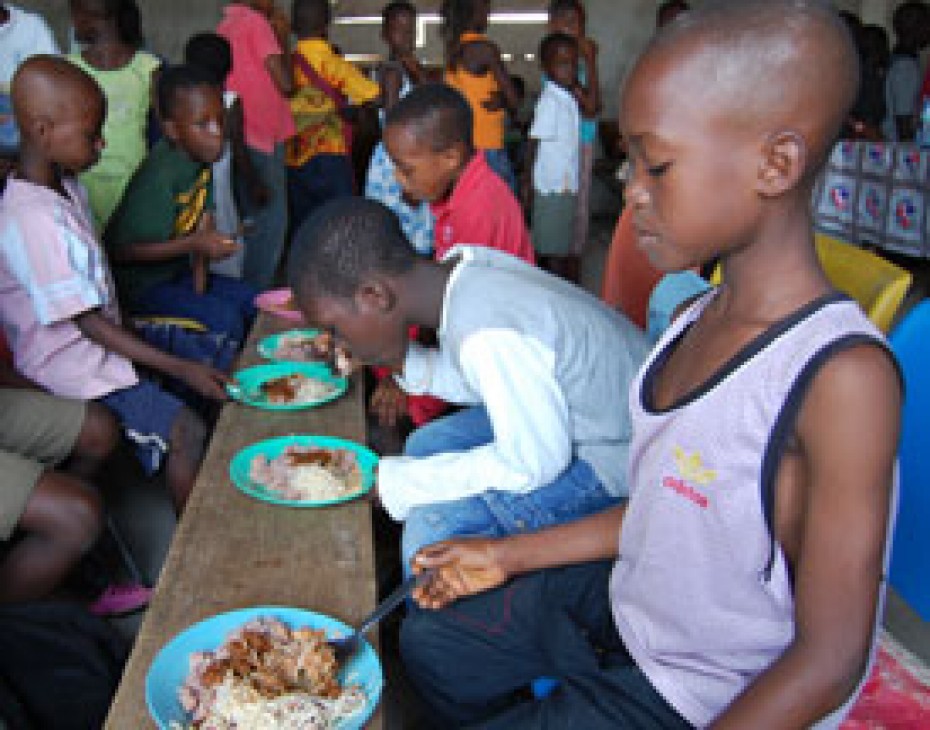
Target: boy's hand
206, 380
213, 244
463, 568
388, 402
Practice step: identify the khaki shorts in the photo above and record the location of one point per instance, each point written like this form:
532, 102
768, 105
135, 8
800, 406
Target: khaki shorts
37, 432
553, 223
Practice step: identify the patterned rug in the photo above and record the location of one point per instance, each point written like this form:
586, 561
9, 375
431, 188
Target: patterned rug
897, 694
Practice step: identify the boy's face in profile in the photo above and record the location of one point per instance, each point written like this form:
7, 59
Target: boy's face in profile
561, 65
196, 123
74, 141
400, 31
693, 189
367, 325
425, 175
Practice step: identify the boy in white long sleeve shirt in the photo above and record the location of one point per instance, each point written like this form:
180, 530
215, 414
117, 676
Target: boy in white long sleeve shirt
544, 367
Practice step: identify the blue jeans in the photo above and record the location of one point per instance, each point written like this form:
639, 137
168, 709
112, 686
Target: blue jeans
264, 238
321, 179
227, 307
469, 660
575, 493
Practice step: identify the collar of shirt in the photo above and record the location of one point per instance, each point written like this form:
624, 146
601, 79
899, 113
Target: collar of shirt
464, 254
469, 179
553, 88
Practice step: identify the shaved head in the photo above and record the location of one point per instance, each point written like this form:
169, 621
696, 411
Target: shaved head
52, 88
776, 65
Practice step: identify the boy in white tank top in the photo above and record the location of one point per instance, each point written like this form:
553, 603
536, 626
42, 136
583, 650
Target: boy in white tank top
741, 585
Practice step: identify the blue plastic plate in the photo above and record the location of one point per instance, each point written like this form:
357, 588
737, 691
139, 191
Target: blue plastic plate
269, 345
246, 386
272, 448
171, 666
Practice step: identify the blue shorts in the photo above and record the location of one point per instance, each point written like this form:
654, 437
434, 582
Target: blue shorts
146, 414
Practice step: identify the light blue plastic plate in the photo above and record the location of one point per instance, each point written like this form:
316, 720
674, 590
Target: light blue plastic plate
171, 665
246, 386
269, 345
272, 448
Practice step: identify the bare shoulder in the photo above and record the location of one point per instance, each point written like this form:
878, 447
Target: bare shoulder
850, 420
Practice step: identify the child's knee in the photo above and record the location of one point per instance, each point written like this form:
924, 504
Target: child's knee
99, 433
73, 514
188, 435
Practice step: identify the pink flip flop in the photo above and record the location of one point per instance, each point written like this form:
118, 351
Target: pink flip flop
119, 600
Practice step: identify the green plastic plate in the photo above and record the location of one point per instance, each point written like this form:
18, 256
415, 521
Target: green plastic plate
246, 385
269, 345
239, 468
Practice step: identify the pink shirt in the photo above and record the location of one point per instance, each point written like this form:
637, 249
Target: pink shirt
51, 270
481, 211
268, 119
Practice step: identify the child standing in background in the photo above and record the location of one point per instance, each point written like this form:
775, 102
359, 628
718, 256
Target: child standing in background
111, 35
554, 149
568, 16
212, 53
475, 68
22, 34
261, 76
397, 76
320, 168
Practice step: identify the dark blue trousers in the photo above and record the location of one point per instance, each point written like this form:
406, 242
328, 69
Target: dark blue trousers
471, 660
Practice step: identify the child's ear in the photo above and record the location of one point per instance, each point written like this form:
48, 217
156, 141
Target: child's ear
169, 128
375, 295
454, 158
783, 164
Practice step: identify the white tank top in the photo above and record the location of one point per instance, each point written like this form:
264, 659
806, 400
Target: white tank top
701, 592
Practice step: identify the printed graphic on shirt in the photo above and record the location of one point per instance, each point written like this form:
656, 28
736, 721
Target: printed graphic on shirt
692, 474
191, 205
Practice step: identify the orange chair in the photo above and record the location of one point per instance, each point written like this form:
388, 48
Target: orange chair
629, 276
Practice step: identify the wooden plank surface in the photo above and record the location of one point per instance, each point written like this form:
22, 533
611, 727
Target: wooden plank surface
231, 551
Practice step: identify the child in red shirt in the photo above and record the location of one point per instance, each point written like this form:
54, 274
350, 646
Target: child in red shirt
428, 135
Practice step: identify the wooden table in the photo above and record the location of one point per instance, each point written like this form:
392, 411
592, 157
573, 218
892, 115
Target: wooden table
231, 551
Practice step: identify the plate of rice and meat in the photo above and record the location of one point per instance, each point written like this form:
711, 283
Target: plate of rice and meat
262, 668
286, 386
302, 345
304, 470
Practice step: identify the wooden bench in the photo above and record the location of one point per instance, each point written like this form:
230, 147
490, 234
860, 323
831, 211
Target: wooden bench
231, 551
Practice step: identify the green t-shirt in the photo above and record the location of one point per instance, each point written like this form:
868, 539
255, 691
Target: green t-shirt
164, 199
128, 91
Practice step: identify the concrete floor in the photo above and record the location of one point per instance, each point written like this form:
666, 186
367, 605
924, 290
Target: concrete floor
146, 520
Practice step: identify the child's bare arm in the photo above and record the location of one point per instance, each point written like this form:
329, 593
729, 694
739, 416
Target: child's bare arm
206, 241
391, 81
490, 57
202, 378
589, 96
279, 65
847, 433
